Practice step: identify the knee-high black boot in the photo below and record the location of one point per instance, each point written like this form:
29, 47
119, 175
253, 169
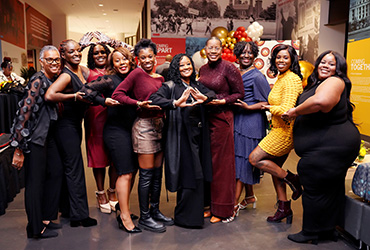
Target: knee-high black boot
155, 193
146, 221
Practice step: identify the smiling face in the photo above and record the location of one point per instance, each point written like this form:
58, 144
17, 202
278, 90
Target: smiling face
50, 69
213, 50
327, 67
186, 69
72, 53
283, 61
246, 58
100, 56
8, 69
120, 63
146, 59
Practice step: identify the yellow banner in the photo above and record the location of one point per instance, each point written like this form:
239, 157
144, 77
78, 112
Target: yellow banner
358, 59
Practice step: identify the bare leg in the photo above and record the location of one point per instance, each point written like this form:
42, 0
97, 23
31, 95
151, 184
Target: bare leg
123, 186
266, 162
112, 183
99, 175
146, 161
238, 192
249, 194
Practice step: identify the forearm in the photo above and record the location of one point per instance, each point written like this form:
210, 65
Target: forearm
308, 107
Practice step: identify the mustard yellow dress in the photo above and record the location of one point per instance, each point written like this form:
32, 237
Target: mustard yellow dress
282, 97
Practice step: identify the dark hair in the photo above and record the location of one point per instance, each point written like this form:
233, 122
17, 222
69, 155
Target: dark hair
214, 38
294, 67
5, 64
90, 58
174, 72
239, 48
110, 70
62, 49
143, 44
340, 71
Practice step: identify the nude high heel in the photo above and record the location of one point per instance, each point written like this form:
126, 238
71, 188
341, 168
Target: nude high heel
104, 208
112, 203
254, 204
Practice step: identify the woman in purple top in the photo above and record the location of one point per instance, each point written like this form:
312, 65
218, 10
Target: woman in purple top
146, 134
250, 122
225, 80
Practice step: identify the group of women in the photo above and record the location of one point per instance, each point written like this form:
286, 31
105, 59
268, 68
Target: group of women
211, 131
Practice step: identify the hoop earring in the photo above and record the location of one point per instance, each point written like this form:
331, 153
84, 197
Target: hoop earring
155, 62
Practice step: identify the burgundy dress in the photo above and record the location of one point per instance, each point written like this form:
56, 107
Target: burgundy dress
95, 119
225, 80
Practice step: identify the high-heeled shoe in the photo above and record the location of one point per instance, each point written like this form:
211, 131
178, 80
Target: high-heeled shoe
47, 233
235, 214
133, 216
121, 226
111, 202
207, 214
254, 204
283, 211
304, 237
104, 208
214, 219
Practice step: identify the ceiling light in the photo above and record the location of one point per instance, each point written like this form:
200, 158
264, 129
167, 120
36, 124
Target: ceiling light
104, 14
115, 10
101, 5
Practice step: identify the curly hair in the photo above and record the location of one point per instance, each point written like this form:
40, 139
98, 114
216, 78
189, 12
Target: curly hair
240, 46
143, 44
340, 71
174, 72
110, 70
62, 49
294, 67
90, 55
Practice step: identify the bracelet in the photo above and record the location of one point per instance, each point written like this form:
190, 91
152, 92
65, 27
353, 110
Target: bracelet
75, 96
138, 104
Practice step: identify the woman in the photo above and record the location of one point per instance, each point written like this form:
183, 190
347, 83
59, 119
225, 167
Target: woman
95, 118
225, 80
34, 140
69, 132
249, 123
187, 153
324, 111
135, 90
6, 75
117, 129
273, 150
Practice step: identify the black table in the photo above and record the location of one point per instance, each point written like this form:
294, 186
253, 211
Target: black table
8, 108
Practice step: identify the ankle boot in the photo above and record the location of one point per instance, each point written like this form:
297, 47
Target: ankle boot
282, 212
155, 193
146, 221
293, 181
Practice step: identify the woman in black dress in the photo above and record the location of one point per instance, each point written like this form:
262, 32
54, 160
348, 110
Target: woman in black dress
117, 129
188, 161
327, 141
65, 90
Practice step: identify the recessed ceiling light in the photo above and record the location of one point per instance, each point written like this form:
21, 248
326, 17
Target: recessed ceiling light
107, 21
101, 5
104, 14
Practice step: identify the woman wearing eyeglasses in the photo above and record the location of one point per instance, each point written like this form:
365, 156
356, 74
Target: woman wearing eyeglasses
33, 136
225, 80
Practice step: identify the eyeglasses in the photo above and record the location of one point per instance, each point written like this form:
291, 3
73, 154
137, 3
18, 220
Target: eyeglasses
213, 48
52, 60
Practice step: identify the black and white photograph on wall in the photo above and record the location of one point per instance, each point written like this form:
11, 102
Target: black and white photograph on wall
359, 20
197, 18
299, 19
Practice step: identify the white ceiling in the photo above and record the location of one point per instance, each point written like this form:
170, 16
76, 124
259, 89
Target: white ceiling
114, 18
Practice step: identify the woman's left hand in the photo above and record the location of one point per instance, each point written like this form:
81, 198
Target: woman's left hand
266, 107
217, 102
111, 102
146, 105
198, 96
290, 114
241, 104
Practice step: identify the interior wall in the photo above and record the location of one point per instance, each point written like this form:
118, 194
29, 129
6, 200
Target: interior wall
15, 53
330, 37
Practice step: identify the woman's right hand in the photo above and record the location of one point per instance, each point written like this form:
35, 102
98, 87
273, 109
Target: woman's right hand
18, 159
146, 105
111, 102
181, 102
241, 104
86, 40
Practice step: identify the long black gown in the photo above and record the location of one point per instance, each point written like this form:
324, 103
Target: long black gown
327, 143
188, 161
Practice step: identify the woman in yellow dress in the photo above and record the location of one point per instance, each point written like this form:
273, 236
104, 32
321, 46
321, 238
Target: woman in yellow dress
273, 150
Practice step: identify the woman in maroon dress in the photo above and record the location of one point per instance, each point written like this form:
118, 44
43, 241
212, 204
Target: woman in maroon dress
223, 78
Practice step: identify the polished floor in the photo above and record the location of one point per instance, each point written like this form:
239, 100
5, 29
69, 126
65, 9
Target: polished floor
249, 231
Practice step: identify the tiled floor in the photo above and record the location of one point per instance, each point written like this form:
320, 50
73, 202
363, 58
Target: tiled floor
249, 231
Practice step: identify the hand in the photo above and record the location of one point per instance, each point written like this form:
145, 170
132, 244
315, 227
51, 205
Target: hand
111, 102
86, 40
181, 102
266, 107
198, 96
78, 96
102, 38
290, 114
146, 105
18, 159
217, 102
241, 104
